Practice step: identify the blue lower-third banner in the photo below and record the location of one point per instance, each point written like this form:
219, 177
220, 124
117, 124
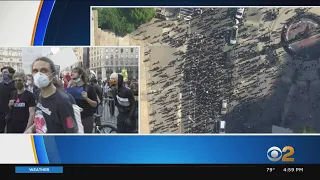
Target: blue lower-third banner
170, 149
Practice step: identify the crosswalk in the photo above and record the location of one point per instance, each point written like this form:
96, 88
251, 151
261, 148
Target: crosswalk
186, 13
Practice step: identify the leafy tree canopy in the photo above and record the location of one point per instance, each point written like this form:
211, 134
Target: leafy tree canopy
123, 21
307, 130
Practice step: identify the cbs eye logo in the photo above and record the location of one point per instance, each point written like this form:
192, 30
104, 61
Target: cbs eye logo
275, 154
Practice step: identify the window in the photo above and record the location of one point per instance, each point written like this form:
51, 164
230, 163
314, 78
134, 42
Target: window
121, 55
127, 50
111, 62
117, 50
126, 55
10, 53
131, 56
11, 59
131, 50
111, 57
107, 57
126, 62
121, 63
107, 63
1, 59
111, 50
117, 62
137, 56
1, 53
116, 56
20, 59
121, 50
107, 50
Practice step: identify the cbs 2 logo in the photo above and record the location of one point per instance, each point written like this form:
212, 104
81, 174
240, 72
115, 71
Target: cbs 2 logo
274, 154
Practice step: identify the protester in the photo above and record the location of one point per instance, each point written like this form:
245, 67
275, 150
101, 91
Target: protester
124, 101
29, 84
85, 97
54, 111
22, 104
6, 88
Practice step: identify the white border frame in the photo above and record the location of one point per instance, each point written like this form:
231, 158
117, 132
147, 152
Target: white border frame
89, 60
189, 134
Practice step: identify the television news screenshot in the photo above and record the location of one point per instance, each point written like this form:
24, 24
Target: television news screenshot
95, 87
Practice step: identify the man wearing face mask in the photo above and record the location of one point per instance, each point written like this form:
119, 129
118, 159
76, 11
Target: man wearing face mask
6, 88
85, 96
125, 103
54, 111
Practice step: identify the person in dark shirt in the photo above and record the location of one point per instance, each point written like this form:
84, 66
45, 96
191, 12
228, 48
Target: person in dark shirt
98, 89
125, 103
22, 104
134, 86
6, 88
85, 96
54, 111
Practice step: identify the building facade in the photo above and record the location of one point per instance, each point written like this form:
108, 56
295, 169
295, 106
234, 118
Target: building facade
106, 60
78, 51
11, 57
29, 54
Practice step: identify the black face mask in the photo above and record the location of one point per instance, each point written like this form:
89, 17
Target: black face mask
18, 85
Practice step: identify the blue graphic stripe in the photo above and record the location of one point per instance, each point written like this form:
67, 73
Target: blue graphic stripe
43, 20
52, 150
41, 149
144, 149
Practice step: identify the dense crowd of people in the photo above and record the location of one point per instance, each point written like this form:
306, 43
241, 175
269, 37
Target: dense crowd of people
48, 102
255, 83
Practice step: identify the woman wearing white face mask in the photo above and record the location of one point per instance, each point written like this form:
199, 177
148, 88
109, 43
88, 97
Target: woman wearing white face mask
54, 111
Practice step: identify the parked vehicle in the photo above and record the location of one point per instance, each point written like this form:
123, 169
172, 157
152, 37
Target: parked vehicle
222, 127
234, 35
239, 13
224, 107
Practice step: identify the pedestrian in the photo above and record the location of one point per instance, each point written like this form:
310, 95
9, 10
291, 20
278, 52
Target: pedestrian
54, 112
85, 97
125, 103
29, 84
22, 105
6, 88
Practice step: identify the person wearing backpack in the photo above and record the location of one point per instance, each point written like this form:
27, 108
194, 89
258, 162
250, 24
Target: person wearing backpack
85, 97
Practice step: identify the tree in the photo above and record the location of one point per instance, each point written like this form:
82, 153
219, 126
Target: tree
307, 130
141, 15
123, 21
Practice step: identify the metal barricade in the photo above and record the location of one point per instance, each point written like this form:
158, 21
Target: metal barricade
109, 111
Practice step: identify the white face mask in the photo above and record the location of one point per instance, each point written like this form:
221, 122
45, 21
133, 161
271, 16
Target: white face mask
41, 80
29, 82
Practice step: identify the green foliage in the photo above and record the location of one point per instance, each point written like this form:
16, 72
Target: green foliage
307, 130
123, 21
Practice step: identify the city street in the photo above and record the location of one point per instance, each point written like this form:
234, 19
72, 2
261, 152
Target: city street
269, 76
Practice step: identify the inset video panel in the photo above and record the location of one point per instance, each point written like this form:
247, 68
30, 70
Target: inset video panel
73, 90
221, 70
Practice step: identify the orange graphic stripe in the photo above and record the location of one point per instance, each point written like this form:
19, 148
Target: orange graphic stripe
34, 150
36, 23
